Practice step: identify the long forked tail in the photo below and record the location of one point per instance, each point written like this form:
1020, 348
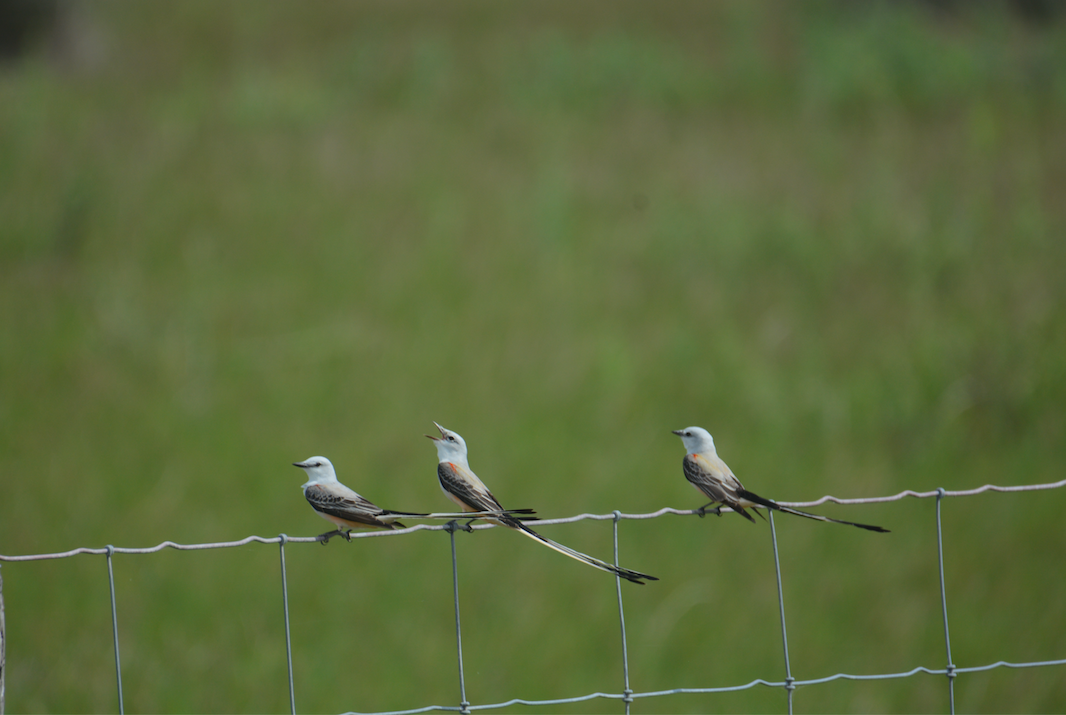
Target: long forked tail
634, 576
771, 504
518, 514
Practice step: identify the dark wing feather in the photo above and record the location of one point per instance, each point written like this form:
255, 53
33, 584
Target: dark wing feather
475, 498
357, 509
705, 483
715, 489
762, 501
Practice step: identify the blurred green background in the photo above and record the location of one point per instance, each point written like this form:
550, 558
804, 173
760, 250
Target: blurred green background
237, 234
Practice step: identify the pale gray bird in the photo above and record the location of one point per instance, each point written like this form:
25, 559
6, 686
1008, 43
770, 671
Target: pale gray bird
713, 478
463, 487
342, 506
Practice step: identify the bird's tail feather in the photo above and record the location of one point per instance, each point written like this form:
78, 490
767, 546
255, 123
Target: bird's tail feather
517, 514
771, 504
744, 513
634, 576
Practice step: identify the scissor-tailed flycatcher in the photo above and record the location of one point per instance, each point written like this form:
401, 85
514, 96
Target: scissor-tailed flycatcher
462, 486
715, 479
338, 504
342, 506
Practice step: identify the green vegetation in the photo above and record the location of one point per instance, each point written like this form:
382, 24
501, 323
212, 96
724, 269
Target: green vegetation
235, 235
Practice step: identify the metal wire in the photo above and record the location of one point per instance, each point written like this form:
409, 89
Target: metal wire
464, 705
543, 522
950, 670
282, 538
114, 626
626, 692
935, 493
3, 642
726, 689
627, 696
790, 685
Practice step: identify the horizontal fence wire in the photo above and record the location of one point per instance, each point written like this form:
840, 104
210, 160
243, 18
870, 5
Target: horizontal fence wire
563, 520
627, 696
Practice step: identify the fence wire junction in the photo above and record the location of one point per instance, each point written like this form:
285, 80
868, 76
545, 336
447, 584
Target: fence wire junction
627, 696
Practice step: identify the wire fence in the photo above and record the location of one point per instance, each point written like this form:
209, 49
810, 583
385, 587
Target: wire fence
627, 696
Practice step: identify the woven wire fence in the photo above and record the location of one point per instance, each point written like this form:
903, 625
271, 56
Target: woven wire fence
627, 695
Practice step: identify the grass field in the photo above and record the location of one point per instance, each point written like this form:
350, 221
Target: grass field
234, 235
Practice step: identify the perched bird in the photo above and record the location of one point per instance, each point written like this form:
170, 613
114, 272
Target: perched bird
463, 487
713, 478
341, 506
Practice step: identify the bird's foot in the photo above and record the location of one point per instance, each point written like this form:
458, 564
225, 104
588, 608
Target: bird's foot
702, 511
452, 526
324, 538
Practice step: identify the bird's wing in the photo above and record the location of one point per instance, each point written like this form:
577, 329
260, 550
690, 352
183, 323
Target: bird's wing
344, 504
710, 478
714, 478
464, 486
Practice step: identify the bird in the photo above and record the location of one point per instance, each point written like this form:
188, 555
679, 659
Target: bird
463, 487
342, 506
713, 478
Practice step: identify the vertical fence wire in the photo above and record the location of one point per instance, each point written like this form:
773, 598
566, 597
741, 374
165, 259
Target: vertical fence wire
627, 694
944, 603
3, 641
464, 705
282, 539
790, 683
114, 627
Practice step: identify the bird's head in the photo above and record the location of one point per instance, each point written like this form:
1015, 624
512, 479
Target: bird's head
697, 440
450, 446
319, 469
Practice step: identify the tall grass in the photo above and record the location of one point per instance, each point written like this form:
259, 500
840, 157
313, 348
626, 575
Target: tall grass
246, 233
